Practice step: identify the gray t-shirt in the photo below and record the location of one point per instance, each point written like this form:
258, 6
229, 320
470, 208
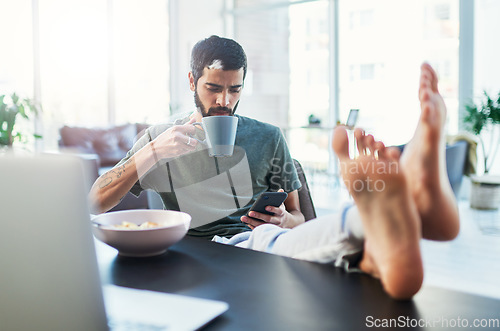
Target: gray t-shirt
217, 191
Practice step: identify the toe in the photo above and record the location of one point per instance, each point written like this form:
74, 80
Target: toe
340, 143
370, 143
359, 135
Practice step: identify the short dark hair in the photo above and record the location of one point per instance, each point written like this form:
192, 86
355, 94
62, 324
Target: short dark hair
227, 51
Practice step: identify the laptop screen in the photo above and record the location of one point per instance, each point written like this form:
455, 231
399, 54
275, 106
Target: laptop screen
49, 277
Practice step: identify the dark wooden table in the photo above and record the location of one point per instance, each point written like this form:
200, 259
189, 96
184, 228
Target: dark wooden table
269, 292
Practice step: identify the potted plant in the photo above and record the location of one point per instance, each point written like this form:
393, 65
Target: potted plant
485, 189
11, 107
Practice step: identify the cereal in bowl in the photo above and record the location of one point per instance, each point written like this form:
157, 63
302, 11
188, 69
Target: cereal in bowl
133, 226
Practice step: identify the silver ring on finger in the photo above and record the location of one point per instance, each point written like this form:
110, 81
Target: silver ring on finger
189, 141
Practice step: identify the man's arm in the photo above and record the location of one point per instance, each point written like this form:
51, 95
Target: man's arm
288, 215
112, 186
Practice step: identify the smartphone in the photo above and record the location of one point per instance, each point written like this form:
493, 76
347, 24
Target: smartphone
352, 118
274, 199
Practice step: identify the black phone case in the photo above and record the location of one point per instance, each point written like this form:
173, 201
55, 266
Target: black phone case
268, 199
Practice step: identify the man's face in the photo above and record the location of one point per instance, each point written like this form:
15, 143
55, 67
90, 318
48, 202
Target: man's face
217, 91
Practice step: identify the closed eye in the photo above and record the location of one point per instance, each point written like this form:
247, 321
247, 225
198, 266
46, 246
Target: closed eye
213, 87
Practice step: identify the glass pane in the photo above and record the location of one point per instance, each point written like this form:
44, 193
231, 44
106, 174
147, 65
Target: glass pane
264, 36
16, 60
16, 57
140, 53
288, 79
381, 46
79, 40
309, 83
73, 65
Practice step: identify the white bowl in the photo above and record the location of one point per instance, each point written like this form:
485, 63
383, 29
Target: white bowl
141, 242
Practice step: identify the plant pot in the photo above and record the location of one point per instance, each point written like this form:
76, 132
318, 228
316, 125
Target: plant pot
485, 192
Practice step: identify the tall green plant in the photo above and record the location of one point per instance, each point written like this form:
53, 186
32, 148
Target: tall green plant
12, 106
478, 118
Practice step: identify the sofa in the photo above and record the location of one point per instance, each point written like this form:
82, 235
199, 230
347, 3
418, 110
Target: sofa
101, 149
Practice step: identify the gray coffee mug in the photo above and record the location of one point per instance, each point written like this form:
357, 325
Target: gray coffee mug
220, 133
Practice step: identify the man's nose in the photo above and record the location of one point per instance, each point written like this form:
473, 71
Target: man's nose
223, 99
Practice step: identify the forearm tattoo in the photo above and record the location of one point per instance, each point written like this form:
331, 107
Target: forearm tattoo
112, 174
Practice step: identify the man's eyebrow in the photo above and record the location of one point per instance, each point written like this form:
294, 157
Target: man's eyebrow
219, 86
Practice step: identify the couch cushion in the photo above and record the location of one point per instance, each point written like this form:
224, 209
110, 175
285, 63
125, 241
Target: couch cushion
111, 144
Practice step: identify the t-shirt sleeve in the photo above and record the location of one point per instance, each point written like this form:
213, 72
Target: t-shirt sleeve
283, 171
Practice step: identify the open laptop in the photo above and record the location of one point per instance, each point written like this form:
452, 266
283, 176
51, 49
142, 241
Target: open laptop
49, 277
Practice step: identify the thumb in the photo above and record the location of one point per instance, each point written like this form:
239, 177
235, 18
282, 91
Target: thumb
281, 190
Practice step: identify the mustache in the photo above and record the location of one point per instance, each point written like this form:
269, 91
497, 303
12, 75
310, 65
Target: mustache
215, 110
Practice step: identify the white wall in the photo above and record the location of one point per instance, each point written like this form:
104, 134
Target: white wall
487, 53
487, 46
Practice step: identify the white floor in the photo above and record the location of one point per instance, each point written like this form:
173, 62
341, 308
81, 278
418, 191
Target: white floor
470, 263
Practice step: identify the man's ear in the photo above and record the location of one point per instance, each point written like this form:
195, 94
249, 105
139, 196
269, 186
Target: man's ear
192, 86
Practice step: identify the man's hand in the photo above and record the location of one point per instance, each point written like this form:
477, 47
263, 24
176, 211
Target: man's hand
175, 141
255, 218
281, 217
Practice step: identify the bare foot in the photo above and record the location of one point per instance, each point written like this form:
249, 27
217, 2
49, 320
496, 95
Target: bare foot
390, 218
424, 164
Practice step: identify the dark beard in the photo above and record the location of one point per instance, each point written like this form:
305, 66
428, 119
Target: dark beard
213, 110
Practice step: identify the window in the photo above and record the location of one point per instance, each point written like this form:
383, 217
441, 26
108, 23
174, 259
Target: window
381, 45
379, 66
141, 62
99, 62
288, 53
74, 62
16, 57
287, 49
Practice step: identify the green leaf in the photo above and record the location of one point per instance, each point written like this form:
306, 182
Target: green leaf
15, 98
476, 118
488, 104
495, 112
22, 111
25, 107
